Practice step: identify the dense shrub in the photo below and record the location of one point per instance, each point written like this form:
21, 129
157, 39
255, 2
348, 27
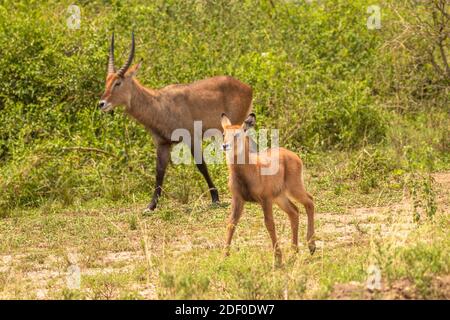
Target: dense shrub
315, 69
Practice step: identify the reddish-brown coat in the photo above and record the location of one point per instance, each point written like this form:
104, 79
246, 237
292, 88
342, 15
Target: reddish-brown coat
248, 183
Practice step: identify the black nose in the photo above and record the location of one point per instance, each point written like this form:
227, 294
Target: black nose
101, 104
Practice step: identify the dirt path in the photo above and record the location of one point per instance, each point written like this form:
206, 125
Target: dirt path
42, 271
396, 222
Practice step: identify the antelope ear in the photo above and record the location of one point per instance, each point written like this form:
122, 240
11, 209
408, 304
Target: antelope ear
134, 69
225, 121
249, 122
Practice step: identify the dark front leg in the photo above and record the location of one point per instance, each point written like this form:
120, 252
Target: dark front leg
201, 166
163, 156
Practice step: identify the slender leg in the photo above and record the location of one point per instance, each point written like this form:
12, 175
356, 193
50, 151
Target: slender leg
163, 155
309, 206
291, 209
237, 206
201, 166
307, 200
270, 225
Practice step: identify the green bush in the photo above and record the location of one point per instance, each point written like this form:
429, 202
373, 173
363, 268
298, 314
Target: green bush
315, 69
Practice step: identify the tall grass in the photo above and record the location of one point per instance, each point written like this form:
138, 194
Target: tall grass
319, 75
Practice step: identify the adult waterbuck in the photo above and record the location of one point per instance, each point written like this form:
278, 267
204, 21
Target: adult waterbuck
161, 111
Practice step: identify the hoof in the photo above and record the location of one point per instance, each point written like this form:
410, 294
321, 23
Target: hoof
312, 248
150, 208
278, 261
147, 211
214, 196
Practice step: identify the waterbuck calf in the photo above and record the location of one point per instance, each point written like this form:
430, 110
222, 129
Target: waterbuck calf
247, 182
161, 111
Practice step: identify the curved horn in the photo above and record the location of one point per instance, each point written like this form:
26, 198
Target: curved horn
125, 67
111, 68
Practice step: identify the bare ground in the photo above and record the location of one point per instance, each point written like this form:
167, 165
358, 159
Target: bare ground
42, 269
403, 288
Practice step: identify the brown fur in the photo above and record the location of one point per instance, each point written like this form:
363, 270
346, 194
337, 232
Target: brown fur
177, 106
161, 111
246, 183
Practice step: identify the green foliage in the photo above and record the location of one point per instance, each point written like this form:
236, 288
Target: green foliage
370, 167
239, 277
186, 286
105, 286
423, 196
414, 60
423, 261
318, 74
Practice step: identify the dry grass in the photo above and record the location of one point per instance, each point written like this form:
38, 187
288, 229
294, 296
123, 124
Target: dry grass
175, 253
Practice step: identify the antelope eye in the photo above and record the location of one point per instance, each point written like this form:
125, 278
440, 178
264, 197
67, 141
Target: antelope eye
118, 83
